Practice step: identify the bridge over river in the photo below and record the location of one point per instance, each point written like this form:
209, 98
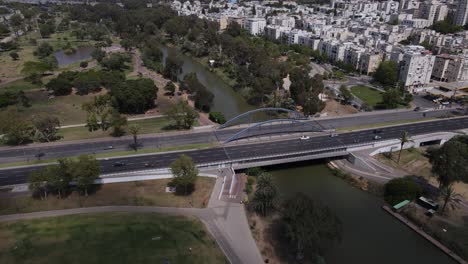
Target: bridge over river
262, 153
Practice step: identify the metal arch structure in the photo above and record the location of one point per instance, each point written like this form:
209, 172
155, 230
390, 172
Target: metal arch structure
301, 127
294, 115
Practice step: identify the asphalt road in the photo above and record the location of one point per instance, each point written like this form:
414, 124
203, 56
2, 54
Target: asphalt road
251, 151
69, 149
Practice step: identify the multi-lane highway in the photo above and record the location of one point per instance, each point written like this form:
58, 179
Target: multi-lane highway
252, 151
69, 149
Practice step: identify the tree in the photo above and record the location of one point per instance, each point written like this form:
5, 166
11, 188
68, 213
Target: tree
405, 138
170, 88
266, 195
185, 174
60, 86
16, 22
44, 50
134, 130
182, 114
391, 98
98, 111
346, 94
118, 123
400, 189
450, 197
116, 62
46, 127
87, 82
134, 96
98, 54
127, 44
14, 55
37, 183
84, 172
59, 176
16, 130
309, 225
173, 67
83, 64
449, 161
387, 73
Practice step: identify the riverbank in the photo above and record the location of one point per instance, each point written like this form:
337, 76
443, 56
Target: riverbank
365, 224
425, 235
455, 219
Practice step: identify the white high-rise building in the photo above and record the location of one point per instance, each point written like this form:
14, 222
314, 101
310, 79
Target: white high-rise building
461, 15
416, 67
255, 26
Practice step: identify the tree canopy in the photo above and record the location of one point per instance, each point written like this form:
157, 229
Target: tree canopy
185, 174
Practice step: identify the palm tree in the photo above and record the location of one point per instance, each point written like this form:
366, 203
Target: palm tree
405, 138
450, 197
134, 130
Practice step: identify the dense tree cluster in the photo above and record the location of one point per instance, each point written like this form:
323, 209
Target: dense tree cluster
134, 96
13, 98
387, 74
56, 178
201, 96
254, 63
18, 130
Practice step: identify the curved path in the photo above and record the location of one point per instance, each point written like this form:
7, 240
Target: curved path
226, 222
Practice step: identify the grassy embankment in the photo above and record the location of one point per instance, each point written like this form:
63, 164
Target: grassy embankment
368, 95
108, 238
140, 193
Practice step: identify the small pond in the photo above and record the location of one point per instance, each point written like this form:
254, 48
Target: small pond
81, 53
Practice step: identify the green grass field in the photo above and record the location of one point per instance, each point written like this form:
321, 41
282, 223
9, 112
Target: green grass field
108, 238
147, 126
19, 85
370, 96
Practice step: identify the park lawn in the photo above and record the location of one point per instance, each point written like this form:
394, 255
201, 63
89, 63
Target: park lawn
147, 126
368, 95
19, 85
66, 108
139, 193
108, 238
11, 68
59, 40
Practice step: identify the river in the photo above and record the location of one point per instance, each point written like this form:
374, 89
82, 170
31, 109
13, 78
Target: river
370, 235
226, 100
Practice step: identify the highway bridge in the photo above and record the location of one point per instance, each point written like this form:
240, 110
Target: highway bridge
182, 138
246, 155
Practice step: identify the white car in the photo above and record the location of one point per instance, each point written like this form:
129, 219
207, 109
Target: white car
304, 138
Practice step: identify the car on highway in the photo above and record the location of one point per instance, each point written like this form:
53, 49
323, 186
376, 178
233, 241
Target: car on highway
333, 135
304, 138
377, 137
109, 147
149, 165
119, 164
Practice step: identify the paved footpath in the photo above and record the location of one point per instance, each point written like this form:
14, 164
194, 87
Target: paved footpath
227, 223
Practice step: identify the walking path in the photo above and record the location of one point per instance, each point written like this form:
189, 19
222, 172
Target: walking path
227, 223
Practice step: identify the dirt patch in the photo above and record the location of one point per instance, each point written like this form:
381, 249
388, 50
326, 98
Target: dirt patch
334, 108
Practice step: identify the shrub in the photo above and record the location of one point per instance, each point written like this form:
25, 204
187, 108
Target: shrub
217, 117
400, 189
